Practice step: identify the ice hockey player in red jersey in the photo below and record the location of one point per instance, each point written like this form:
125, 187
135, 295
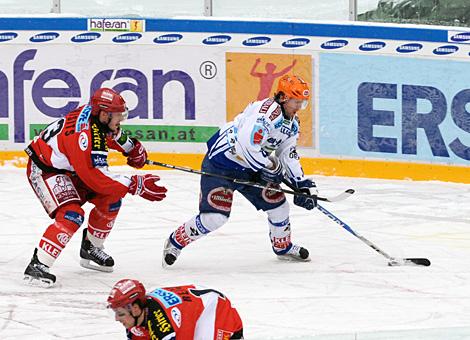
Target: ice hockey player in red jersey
68, 166
174, 313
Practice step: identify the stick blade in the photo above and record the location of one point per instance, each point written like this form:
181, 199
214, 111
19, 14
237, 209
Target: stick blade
342, 196
412, 261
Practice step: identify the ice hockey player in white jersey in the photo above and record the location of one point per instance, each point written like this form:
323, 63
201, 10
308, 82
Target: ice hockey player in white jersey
258, 145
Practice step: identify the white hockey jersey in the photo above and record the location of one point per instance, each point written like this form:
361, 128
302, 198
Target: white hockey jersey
255, 134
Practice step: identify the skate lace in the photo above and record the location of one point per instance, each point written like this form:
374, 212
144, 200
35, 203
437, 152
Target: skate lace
42, 267
99, 253
171, 249
295, 250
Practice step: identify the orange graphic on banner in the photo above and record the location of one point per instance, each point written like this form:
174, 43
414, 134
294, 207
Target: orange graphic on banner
253, 76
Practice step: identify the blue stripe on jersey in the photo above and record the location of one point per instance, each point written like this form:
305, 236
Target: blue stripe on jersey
257, 165
251, 165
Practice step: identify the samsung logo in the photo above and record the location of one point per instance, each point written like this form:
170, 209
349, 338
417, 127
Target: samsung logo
84, 37
297, 42
167, 38
444, 50
127, 37
6, 36
461, 37
256, 41
408, 48
216, 39
334, 44
372, 46
41, 37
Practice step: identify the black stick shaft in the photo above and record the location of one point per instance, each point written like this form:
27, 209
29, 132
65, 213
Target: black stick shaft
234, 180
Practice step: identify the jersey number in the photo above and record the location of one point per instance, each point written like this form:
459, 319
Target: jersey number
52, 129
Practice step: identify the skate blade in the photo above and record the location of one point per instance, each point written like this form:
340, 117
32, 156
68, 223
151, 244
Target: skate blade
91, 265
293, 258
37, 282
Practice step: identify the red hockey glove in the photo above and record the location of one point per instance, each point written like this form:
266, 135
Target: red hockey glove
139, 333
137, 157
146, 187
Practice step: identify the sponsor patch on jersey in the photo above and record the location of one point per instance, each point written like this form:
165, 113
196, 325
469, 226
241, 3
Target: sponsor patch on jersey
293, 153
257, 134
7, 36
83, 141
167, 298
223, 335
220, 198
176, 316
42, 37
83, 119
216, 39
272, 196
98, 138
85, 37
167, 38
99, 158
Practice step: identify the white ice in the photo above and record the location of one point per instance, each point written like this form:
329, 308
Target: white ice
346, 288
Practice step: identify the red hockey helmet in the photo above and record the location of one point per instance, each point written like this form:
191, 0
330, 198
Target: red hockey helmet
125, 292
108, 100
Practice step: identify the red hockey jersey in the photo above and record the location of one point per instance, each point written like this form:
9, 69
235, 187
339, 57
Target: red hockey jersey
79, 143
187, 313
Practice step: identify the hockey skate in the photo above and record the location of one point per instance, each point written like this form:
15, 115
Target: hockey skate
295, 253
37, 274
170, 253
94, 257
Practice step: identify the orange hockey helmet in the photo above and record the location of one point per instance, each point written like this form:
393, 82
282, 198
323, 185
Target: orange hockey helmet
125, 292
108, 100
294, 87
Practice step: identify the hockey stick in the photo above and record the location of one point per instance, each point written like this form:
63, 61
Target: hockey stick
342, 196
392, 261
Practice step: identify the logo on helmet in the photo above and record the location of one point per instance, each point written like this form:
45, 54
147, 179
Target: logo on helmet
107, 95
125, 286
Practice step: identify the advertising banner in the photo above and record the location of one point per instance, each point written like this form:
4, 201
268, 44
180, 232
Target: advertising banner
396, 108
254, 76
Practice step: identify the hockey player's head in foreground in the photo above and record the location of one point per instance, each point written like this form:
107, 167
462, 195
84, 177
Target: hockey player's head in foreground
109, 107
292, 94
127, 300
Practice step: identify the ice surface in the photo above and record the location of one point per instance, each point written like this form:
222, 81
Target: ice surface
346, 288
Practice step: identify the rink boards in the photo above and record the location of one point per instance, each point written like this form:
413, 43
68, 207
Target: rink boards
388, 101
